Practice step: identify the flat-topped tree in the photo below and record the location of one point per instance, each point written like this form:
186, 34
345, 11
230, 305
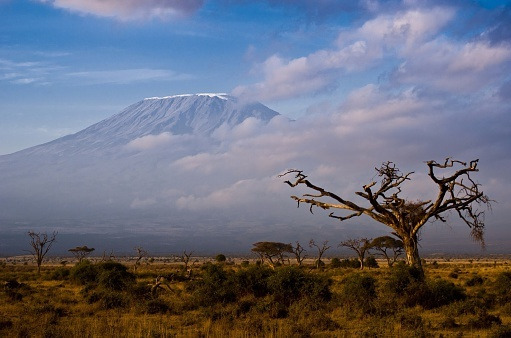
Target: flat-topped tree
389, 247
457, 191
273, 251
80, 252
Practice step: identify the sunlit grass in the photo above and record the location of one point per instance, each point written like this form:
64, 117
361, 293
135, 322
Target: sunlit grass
46, 307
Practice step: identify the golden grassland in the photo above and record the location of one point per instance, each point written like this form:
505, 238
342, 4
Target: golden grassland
471, 300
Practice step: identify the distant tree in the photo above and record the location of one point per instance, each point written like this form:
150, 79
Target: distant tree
80, 252
220, 258
360, 246
321, 251
140, 253
457, 191
272, 251
40, 244
185, 258
389, 247
298, 251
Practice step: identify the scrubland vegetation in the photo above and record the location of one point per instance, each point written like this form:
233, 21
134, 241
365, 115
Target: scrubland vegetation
244, 299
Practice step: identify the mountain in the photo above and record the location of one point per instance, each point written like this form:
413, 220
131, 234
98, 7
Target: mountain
197, 114
137, 174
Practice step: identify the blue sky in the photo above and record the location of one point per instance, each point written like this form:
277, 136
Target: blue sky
65, 64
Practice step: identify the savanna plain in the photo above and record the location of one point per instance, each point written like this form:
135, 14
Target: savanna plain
232, 297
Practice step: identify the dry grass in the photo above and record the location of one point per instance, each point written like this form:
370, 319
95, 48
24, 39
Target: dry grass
59, 308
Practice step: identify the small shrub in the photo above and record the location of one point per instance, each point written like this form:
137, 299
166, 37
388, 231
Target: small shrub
474, 280
359, 291
155, 306
335, 263
502, 287
411, 321
350, 263
115, 276
112, 300
291, 283
252, 281
468, 306
371, 262
215, 287
84, 273
220, 258
449, 323
60, 274
484, 320
500, 331
442, 292
245, 264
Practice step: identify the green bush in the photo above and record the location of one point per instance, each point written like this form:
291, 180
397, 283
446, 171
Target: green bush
474, 280
371, 262
500, 331
215, 287
84, 272
252, 281
350, 263
291, 283
115, 276
60, 274
442, 292
155, 306
502, 287
359, 291
112, 300
220, 258
484, 320
335, 263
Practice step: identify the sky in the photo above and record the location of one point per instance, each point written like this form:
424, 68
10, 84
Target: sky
367, 81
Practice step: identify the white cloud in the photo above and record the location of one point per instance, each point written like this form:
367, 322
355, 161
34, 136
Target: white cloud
150, 141
357, 50
128, 76
130, 9
454, 67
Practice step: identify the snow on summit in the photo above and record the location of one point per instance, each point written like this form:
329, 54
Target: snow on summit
223, 96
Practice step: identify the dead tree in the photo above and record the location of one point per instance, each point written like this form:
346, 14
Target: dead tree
40, 244
298, 251
160, 283
185, 258
388, 247
140, 253
80, 252
321, 250
457, 191
272, 251
360, 246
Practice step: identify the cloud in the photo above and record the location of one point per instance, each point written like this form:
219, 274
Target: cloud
454, 67
130, 9
128, 76
27, 72
357, 50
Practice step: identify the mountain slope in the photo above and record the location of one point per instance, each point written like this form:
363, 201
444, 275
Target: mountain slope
198, 114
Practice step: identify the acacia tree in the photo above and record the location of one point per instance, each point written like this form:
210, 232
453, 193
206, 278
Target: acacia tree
457, 191
80, 252
272, 251
298, 251
321, 250
360, 246
140, 253
388, 247
40, 244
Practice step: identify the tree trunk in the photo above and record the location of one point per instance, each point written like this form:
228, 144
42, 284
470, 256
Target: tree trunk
411, 247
